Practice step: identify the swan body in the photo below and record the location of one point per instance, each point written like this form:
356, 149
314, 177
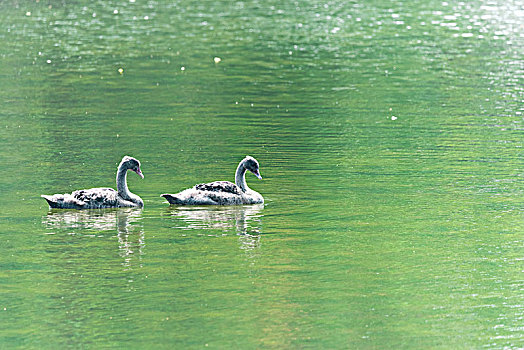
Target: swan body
97, 198
222, 192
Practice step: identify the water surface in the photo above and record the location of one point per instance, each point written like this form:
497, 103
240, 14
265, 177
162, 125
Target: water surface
390, 141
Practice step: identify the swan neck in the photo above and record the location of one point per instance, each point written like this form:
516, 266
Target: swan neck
121, 182
240, 177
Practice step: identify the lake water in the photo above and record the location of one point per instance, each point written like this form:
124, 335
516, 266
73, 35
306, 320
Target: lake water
390, 140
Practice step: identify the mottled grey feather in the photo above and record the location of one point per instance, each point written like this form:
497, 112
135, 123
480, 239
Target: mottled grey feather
219, 186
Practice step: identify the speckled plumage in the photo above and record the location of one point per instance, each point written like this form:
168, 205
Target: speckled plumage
219, 186
101, 197
222, 192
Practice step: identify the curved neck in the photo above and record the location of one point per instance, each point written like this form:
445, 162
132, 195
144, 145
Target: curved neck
240, 177
121, 183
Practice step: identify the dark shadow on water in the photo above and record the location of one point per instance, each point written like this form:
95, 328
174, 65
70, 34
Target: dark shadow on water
244, 220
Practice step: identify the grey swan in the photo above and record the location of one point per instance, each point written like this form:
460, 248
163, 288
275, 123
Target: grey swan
222, 192
98, 198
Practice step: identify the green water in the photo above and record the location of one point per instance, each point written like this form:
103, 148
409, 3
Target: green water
389, 136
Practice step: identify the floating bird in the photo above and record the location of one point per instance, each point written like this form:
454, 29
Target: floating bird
97, 198
222, 192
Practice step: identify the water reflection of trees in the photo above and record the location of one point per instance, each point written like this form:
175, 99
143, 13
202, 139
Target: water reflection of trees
126, 222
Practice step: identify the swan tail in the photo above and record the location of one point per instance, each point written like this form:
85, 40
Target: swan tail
51, 200
172, 199
60, 201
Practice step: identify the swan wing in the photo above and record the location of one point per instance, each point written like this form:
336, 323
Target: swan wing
219, 186
97, 196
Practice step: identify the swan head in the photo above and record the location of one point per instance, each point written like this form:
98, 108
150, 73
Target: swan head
251, 164
132, 164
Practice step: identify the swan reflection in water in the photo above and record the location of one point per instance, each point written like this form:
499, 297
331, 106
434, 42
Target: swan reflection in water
94, 222
243, 220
